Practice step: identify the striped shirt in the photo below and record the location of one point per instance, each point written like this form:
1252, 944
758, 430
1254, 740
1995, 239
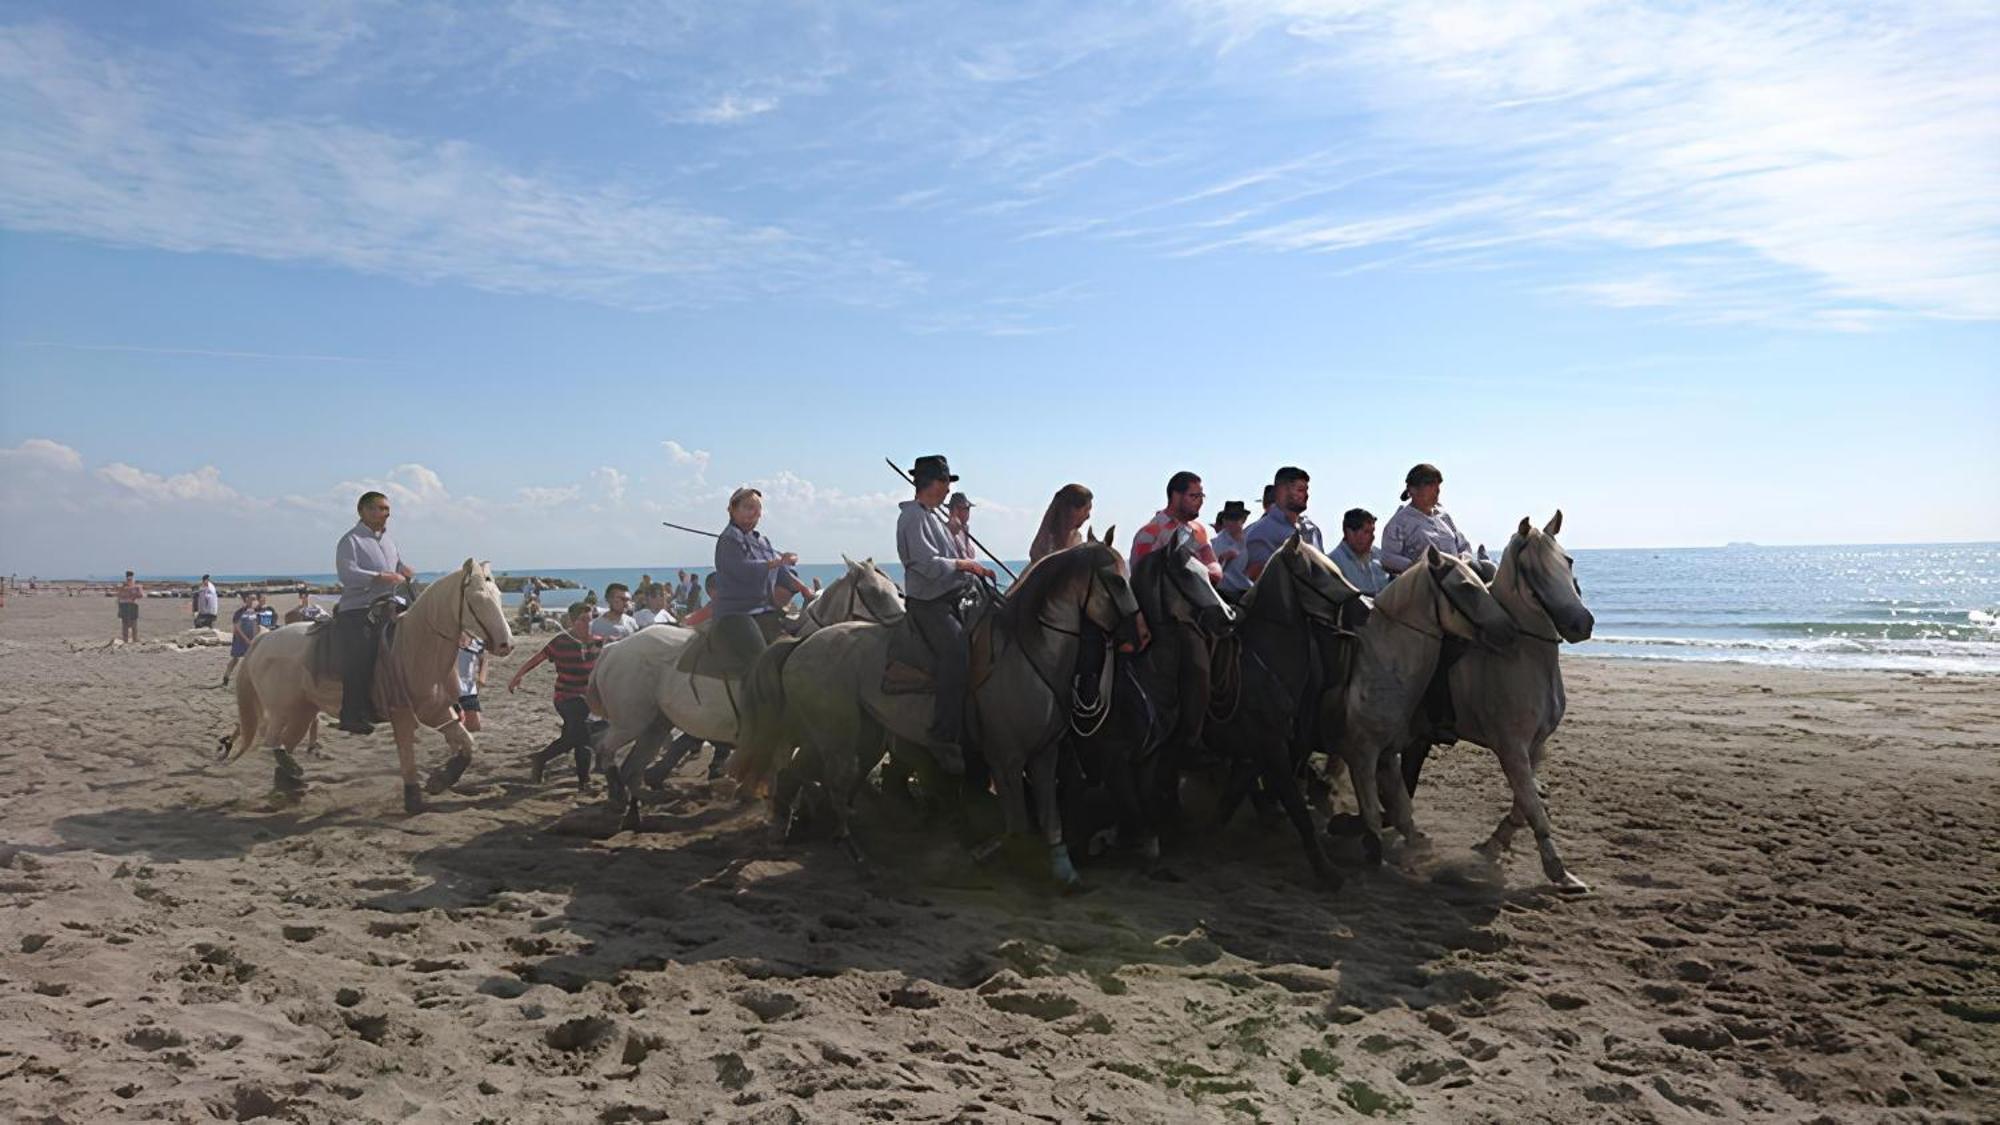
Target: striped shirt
1161, 528
574, 660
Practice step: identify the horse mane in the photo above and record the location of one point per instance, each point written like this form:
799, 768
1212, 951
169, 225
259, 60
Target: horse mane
1041, 581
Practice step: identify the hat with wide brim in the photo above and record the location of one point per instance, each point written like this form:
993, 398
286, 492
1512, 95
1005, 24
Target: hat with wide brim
959, 500
1232, 510
933, 467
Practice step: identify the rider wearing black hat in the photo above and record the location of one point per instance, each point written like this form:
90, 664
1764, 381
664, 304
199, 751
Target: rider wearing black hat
937, 575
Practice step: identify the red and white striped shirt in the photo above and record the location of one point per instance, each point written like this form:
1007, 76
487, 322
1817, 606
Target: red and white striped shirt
1162, 527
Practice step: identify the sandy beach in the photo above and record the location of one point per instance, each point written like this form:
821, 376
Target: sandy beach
1795, 917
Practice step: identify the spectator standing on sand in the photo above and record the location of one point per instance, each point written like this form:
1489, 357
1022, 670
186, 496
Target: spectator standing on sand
574, 652
304, 611
616, 623
207, 605
245, 617
656, 611
129, 595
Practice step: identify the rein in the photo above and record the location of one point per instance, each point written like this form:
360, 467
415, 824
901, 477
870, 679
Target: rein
1540, 605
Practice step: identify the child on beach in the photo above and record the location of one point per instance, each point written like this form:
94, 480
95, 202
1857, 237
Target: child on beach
129, 596
574, 653
471, 674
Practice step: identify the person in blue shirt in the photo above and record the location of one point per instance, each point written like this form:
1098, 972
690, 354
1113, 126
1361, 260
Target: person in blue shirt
1355, 553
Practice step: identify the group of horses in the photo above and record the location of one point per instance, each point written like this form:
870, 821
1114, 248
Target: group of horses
1247, 692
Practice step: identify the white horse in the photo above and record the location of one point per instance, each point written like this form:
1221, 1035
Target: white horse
282, 689
1511, 701
639, 689
1368, 718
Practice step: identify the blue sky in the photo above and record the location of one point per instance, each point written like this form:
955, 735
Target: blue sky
552, 272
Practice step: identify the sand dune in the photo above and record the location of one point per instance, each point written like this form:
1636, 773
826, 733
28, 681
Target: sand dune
1796, 918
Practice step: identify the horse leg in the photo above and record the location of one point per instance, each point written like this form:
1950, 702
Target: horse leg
1418, 749
1278, 776
622, 782
312, 736
1396, 798
288, 778
404, 724
1049, 807
447, 775
1363, 765
1127, 780
1518, 763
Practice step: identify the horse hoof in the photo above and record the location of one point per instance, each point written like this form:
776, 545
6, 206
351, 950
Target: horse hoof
413, 799
1371, 848
1062, 869
448, 775
1570, 885
631, 821
1342, 825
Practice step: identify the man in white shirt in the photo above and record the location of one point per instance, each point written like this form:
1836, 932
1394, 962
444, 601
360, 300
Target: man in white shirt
615, 623
206, 604
656, 611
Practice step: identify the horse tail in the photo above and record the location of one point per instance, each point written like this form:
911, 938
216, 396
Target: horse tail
248, 711
763, 730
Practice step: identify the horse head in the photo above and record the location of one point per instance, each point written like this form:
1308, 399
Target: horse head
481, 613
1471, 611
1318, 587
1187, 576
1536, 566
1108, 600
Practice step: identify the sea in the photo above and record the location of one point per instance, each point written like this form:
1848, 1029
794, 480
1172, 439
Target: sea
1918, 608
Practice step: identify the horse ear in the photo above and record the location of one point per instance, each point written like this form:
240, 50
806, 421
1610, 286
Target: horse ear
1110, 535
1525, 527
470, 566
1431, 557
1555, 524
848, 561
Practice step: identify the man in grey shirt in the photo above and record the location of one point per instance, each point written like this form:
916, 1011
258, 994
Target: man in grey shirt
1291, 489
1355, 553
369, 566
936, 576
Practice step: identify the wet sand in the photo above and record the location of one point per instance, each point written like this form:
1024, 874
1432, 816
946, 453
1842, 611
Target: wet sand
1795, 917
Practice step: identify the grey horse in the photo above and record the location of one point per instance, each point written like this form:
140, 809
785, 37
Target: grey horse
823, 696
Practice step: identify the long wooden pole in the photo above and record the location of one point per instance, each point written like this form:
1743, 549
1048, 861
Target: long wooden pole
1011, 576
695, 530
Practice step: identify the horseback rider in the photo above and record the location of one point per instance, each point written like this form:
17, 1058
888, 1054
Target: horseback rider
369, 567
937, 577
1291, 488
1183, 512
748, 571
1422, 522
1232, 550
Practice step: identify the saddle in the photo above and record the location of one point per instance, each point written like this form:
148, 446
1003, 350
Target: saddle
906, 671
327, 657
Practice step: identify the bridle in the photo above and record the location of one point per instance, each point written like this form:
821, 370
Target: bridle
464, 597
1526, 582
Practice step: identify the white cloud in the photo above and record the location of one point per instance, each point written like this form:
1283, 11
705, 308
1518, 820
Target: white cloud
536, 496
696, 459
42, 453
1857, 147
140, 150
612, 482
204, 485
727, 110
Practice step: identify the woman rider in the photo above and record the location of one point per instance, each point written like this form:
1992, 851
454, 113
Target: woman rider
1422, 522
747, 570
1062, 524
1062, 528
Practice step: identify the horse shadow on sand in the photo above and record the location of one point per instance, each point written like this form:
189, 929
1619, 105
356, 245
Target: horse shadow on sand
710, 881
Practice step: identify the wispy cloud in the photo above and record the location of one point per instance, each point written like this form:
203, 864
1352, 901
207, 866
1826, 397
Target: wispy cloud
1858, 148
727, 110
139, 150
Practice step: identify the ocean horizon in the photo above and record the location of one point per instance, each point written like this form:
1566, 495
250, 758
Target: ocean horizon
1905, 607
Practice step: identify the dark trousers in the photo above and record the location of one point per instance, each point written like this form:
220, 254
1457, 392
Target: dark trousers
938, 622
357, 681
203, 620
575, 737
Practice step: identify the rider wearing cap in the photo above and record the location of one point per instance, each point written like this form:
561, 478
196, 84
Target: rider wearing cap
1422, 522
937, 576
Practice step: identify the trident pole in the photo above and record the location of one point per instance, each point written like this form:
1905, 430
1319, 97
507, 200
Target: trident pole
1011, 576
